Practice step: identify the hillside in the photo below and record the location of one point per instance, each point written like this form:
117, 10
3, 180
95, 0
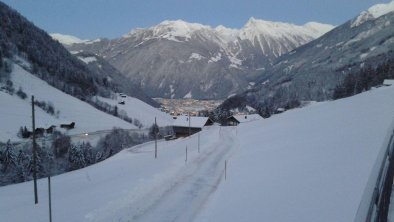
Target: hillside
17, 112
113, 79
313, 71
313, 164
49, 60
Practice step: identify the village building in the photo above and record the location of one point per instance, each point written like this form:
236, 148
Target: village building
185, 125
237, 119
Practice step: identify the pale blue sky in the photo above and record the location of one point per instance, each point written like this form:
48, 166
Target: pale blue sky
89, 19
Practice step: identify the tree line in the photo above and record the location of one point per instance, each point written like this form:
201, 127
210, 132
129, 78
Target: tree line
363, 80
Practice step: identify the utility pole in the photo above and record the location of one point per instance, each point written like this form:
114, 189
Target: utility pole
155, 139
34, 152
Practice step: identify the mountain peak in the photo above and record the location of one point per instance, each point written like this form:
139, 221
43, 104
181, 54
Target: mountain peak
255, 27
381, 9
372, 13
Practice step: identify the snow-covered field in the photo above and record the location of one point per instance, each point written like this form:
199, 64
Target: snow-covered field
139, 110
309, 164
15, 112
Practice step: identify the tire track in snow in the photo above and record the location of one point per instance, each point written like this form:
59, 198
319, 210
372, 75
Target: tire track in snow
179, 196
194, 186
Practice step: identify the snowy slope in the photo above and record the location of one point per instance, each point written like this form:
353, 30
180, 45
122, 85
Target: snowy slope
18, 112
139, 110
309, 164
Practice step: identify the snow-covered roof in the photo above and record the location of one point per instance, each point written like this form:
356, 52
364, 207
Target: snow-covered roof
247, 118
195, 121
389, 82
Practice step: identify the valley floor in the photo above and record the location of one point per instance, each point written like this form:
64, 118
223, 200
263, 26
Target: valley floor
309, 164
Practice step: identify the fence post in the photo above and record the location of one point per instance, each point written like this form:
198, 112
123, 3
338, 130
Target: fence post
50, 198
186, 155
155, 139
198, 142
225, 170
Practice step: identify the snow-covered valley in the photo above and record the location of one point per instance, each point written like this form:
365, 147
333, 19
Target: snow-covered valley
307, 164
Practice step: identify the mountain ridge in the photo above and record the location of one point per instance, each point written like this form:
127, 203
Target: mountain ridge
175, 59
314, 71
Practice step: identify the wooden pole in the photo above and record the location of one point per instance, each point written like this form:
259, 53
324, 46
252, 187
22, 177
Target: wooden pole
198, 142
155, 139
225, 170
50, 198
189, 125
186, 155
34, 152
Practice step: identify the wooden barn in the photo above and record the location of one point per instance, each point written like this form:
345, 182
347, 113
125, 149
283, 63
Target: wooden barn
237, 119
183, 125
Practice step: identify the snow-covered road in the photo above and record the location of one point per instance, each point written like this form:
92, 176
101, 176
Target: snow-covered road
132, 185
182, 197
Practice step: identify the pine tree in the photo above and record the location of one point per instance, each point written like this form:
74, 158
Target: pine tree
88, 153
23, 166
8, 157
76, 158
153, 131
116, 111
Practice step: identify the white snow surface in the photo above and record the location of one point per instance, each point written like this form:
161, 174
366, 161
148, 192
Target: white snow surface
195, 121
248, 118
87, 60
255, 27
67, 39
307, 164
18, 112
188, 95
179, 30
381, 9
372, 13
138, 109
195, 56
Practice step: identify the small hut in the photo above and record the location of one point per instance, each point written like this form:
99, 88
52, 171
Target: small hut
185, 125
237, 119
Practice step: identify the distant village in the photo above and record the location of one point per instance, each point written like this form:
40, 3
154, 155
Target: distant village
193, 107
178, 107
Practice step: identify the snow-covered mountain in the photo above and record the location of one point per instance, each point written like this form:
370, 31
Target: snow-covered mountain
372, 13
175, 59
312, 71
65, 86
